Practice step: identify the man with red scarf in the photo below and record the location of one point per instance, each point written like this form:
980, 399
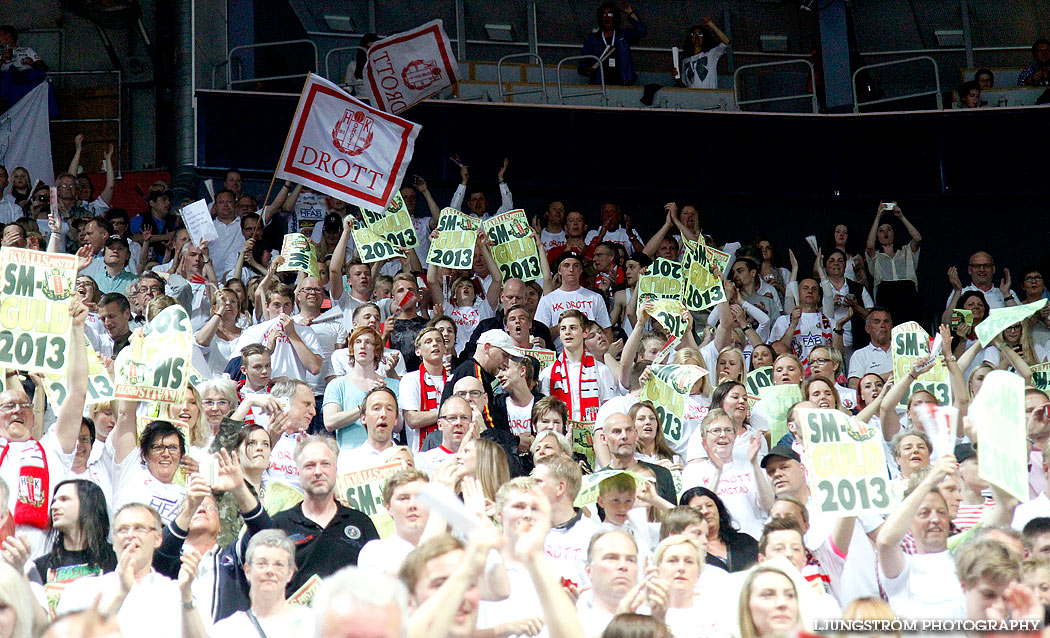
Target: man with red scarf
32, 468
420, 390
576, 377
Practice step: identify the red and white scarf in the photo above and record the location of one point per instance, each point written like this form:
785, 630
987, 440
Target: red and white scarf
429, 399
34, 484
586, 388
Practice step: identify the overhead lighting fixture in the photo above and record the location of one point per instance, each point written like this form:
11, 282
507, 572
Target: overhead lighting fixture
340, 23
774, 43
949, 37
500, 32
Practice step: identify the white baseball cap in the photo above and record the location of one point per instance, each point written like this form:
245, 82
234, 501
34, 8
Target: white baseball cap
502, 340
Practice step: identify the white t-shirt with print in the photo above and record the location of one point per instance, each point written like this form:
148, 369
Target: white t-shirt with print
282, 462
551, 240
519, 418
133, 483
284, 360
590, 303
467, 319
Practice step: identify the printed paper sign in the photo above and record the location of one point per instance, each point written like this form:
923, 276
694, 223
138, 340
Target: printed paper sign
298, 255
454, 246
393, 224
1041, 376
280, 497
776, 402
410, 66
998, 413
100, 386
910, 343
703, 288
545, 357
583, 439
940, 424
372, 247
668, 313
758, 379
342, 147
153, 368
667, 388
846, 463
1000, 319
513, 247
589, 488
305, 594
959, 316
663, 279
198, 222
363, 489
35, 326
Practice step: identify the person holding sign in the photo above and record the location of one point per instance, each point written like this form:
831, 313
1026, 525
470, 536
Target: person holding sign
32, 466
925, 584
576, 378
742, 486
145, 466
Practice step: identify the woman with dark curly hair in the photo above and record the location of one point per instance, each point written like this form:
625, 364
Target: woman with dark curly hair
726, 547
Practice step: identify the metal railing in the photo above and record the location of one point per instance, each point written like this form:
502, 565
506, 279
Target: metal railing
328, 58
504, 94
812, 94
601, 77
119, 119
244, 47
936, 92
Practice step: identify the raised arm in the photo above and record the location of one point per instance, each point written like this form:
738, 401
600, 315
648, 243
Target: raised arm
67, 425
707, 22
289, 202
545, 265
335, 282
271, 209
890, 552
873, 234
123, 432
74, 162
916, 237
630, 349
653, 244
111, 177
496, 285
559, 613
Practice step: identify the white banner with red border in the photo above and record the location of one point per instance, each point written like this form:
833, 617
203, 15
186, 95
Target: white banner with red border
342, 147
408, 67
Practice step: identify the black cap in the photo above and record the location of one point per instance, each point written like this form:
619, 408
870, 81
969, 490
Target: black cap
116, 240
964, 451
782, 451
569, 254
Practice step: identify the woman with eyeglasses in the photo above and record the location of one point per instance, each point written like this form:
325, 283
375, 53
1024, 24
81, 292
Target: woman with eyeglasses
827, 362
219, 399
217, 336
741, 484
703, 46
144, 472
269, 566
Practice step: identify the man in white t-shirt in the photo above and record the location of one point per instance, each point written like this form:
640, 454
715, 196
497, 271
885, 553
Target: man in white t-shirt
559, 478
553, 234
806, 327
876, 356
456, 417
227, 246
420, 390
33, 468
147, 605
982, 271
517, 378
379, 416
616, 227
612, 566
287, 427
576, 377
358, 274
294, 347
571, 295
409, 516
924, 584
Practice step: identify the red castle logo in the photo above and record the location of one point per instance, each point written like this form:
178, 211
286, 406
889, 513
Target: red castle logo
419, 74
353, 134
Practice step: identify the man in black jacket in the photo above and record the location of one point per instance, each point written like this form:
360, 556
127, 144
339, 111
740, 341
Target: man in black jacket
513, 294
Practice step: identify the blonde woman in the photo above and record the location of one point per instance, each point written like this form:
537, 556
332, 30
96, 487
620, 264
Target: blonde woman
679, 561
768, 604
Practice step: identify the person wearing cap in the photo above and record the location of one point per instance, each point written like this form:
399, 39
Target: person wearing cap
495, 348
572, 296
973, 489
114, 275
512, 294
576, 377
159, 201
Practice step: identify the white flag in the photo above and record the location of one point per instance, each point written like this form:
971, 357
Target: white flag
410, 66
25, 139
345, 148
